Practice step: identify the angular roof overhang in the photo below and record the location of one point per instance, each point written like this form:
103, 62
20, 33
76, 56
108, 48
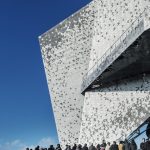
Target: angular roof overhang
134, 61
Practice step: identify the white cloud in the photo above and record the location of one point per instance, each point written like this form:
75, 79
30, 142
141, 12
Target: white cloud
13, 145
19, 145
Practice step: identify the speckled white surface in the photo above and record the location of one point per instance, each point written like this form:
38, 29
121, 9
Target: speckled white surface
112, 18
114, 112
65, 51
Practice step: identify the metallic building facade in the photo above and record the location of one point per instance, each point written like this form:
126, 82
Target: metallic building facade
91, 61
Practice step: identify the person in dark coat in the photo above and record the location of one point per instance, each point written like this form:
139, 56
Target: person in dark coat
65, 148
147, 144
79, 147
37, 148
126, 145
92, 147
142, 145
114, 146
51, 147
69, 147
98, 147
133, 145
85, 147
58, 147
74, 147
103, 145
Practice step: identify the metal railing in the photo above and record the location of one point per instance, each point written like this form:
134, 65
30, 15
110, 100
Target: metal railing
86, 78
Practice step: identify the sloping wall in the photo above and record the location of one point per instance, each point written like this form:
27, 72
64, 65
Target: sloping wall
65, 51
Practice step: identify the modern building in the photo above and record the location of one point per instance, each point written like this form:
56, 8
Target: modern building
97, 65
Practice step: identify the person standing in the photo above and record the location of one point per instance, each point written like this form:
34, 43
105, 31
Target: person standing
103, 145
69, 147
79, 147
98, 147
133, 145
66, 147
85, 147
107, 146
74, 147
142, 145
147, 144
37, 148
51, 147
92, 147
121, 145
114, 146
58, 147
126, 145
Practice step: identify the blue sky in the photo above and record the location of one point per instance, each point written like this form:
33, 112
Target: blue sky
26, 116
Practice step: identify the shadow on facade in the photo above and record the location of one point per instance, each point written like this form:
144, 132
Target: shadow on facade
132, 65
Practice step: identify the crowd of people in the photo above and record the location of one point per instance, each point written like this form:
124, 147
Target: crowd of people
123, 145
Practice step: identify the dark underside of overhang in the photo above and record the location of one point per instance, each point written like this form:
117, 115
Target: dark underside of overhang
133, 62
